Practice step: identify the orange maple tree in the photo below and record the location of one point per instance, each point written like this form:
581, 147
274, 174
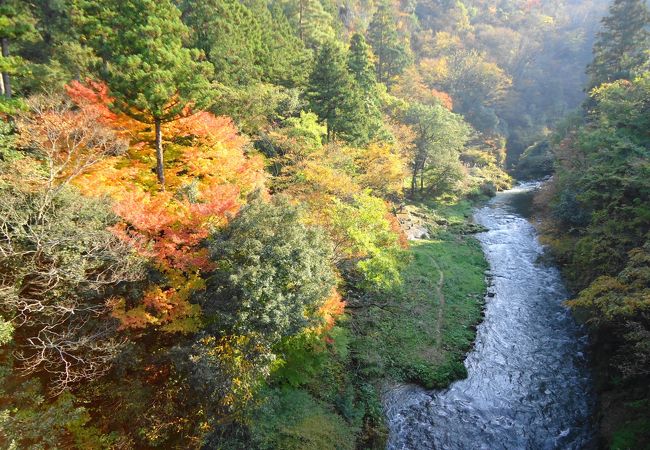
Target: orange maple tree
208, 178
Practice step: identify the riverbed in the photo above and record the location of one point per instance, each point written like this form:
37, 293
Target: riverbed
528, 384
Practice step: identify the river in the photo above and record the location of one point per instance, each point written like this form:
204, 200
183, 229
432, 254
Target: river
528, 384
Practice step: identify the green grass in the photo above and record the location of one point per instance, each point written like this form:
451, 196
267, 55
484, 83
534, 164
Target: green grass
400, 339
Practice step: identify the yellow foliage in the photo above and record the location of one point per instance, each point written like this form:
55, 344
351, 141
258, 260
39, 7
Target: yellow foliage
384, 169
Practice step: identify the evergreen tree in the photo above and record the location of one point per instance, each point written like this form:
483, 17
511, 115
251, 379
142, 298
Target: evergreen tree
152, 77
392, 55
245, 41
285, 59
361, 68
16, 24
335, 97
64, 52
315, 23
329, 86
623, 44
360, 63
230, 36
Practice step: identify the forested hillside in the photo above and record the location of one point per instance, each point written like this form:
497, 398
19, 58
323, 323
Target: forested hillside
199, 200
596, 214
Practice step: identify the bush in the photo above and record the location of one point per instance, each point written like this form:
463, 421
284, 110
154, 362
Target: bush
293, 420
273, 272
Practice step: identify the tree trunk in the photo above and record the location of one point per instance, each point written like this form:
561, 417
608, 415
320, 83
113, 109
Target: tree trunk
422, 179
160, 170
300, 28
6, 82
414, 180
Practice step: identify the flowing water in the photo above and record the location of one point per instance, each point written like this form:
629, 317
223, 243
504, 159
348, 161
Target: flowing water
528, 384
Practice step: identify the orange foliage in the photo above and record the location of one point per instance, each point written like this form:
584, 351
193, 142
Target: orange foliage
208, 177
171, 230
94, 96
395, 226
331, 309
444, 98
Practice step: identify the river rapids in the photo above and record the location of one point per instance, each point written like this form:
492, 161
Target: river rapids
528, 384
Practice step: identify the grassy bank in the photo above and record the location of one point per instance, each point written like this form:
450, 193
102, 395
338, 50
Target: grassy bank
421, 331
327, 395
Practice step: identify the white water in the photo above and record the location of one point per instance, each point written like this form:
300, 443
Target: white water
528, 384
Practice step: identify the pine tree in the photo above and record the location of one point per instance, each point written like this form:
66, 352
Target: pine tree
623, 44
336, 98
361, 68
360, 63
329, 86
315, 23
152, 77
392, 55
230, 35
285, 60
17, 23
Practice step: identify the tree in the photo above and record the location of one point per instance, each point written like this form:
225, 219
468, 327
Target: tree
329, 87
622, 45
348, 111
360, 64
370, 124
246, 41
17, 24
273, 273
392, 54
69, 140
60, 263
477, 87
152, 77
230, 36
441, 135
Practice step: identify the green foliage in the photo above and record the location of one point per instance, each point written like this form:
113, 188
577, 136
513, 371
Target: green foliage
16, 24
334, 97
536, 162
360, 64
622, 44
361, 68
257, 107
303, 357
294, 420
230, 36
307, 129
273, 272
441, 135
245, 42
362, 224
6, 331
391, 51
34, 423
151, 75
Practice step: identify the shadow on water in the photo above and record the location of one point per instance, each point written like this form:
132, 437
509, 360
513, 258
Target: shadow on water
528, 384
